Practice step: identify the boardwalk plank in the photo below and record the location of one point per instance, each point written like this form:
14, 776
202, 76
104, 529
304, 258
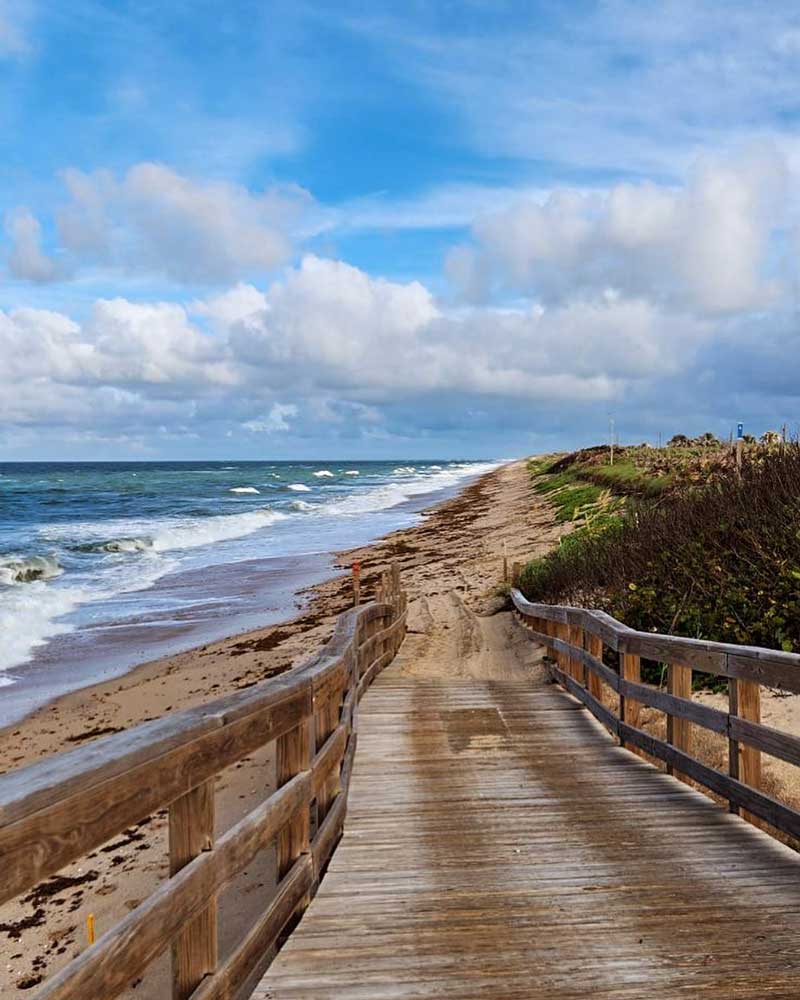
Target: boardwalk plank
498, 844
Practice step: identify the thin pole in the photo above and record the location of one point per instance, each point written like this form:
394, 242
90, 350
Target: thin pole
611, 435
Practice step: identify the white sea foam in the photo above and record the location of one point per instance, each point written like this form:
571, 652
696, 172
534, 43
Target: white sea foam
137, 553
191, 534
134, 553
30, 616
392, 494
243, 489
13, 571
162, 536
323, 474
125, 545
352, 472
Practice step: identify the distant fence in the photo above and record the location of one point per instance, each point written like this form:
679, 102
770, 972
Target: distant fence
64, 807
575, 639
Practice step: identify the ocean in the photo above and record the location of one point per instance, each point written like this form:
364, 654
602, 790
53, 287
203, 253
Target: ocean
105, 565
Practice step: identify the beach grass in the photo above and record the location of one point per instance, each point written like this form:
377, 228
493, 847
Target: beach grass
681, 541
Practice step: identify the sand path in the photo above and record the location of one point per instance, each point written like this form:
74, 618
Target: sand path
448, 639
455, 627
451, 565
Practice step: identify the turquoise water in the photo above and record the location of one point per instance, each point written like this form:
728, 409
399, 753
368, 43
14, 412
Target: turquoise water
88, 548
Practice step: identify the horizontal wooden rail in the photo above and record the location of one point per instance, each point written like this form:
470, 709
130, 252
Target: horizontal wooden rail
64, 807
575, 639
766, 666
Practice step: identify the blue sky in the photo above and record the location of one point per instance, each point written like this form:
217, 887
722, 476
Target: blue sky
376, 229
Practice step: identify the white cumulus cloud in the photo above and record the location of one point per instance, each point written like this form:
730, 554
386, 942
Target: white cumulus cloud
154, 221
703, 247
26, 258
330, 352
328, 325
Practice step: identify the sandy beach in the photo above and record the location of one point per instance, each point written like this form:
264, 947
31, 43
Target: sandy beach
451, 566
459, 625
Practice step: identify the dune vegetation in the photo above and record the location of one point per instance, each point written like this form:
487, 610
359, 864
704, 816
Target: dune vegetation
678, 539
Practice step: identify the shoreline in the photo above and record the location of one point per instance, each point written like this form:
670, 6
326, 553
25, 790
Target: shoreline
451, 566
107, 653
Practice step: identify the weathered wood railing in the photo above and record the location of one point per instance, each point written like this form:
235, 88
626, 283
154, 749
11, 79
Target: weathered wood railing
57, 811
576, 639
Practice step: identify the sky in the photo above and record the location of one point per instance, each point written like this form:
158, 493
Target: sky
441, 228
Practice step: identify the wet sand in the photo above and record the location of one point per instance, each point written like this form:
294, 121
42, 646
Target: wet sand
451, 567
238, 597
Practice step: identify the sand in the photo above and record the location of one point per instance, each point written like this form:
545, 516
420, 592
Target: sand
780, 710
458, 627
451, 566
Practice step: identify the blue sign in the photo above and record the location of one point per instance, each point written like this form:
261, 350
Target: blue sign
740, 430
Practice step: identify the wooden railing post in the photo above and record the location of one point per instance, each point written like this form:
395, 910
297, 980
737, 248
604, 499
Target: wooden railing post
366, 631
532, 624
395, 571
745, 761
577, 668
174, 763
733, 745
402, 604
561, 631
552, 630
745, 668
679, 731
595, 647
544, 626
630, 670
294, 752
326, 719
191, 831
384, 622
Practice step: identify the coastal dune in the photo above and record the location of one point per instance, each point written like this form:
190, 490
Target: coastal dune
451, 567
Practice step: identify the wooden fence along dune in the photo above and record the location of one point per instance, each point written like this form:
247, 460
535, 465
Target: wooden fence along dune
59, 810
576, 638
64, 807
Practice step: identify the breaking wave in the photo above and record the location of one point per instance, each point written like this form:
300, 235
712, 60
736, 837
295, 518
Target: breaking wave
206, 531
123, 545
393, 494
43, 593
29, 570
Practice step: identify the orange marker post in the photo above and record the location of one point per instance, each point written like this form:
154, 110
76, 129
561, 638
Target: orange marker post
356, 583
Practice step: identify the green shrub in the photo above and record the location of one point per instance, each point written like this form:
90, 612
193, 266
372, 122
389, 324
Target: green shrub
718, 561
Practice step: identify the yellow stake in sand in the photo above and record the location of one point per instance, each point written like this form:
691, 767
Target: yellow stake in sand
90, 928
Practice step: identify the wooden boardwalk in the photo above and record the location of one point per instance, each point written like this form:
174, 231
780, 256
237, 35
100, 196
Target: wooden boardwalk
499, 845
